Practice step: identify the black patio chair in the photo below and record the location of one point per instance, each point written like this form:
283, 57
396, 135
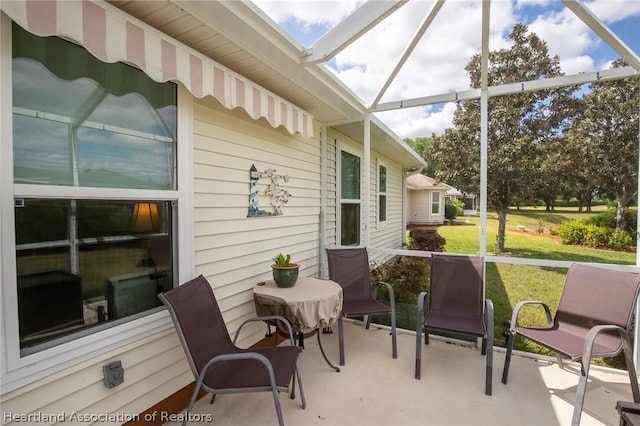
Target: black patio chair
349, 267
218, 365
593, 319
455, 303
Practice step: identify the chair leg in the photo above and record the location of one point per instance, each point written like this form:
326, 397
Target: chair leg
394, 340
633, 378
419, 330
560, 361
580, 392
297, 374
488, 346
194, 396
418, 354
507, 358
341, 339
489, 373
276, 401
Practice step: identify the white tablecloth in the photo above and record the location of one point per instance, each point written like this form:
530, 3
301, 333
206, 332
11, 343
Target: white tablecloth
310, 304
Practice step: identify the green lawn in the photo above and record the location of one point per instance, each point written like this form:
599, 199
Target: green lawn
507, 284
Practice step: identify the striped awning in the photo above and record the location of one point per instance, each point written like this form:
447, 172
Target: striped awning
111, 36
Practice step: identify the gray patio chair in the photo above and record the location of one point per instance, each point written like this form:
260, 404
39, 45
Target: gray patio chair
349, 267
629, 413
593, 319
218, 365
455, 303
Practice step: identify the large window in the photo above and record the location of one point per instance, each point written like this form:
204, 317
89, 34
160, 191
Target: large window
94, 166
349, 199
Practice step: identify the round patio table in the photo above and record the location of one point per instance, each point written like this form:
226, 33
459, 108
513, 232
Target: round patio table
311, 304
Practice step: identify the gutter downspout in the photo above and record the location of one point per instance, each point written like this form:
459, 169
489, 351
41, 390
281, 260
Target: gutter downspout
365, 214
322, 257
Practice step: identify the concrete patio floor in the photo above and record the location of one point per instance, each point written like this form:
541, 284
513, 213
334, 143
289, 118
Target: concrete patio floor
374, 389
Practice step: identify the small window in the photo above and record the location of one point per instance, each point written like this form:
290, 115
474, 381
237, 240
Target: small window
349, 199
382, 193
435, 203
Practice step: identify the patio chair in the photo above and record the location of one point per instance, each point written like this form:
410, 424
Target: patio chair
456, 304
593, 319
629, 413
349, 267
218, 365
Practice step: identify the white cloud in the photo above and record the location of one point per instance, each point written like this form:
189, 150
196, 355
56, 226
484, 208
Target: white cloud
614, 10
437, 64
309, 12
568, 37
419, 122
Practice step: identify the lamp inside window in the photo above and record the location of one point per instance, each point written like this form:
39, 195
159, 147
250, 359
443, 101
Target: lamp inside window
145, 217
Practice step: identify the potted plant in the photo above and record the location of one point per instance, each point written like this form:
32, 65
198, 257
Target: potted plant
285, 273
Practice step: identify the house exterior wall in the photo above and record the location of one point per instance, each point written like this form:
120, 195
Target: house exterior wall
217, 149
382, 235
233, 251
387, 234
419, 208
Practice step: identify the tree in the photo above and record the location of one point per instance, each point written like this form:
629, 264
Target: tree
519, 125
422, 145
607, 137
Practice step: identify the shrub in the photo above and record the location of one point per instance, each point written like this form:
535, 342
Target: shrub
426, 239
572, 232
607, 219
596, 236
589, 234
450, 211
453, 209
407, 275
620, 240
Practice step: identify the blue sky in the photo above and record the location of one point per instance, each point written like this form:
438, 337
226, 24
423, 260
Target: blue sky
437, 64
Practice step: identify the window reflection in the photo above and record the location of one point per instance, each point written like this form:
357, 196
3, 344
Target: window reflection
81, 263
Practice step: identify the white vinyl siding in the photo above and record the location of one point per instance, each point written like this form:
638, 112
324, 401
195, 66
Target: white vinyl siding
232, 250
419, 205
390, 234
387, 236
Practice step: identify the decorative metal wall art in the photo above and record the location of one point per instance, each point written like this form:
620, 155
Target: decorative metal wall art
276, 195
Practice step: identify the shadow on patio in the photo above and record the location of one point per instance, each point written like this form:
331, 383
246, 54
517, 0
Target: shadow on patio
374, 389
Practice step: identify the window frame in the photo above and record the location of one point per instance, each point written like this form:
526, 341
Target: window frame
17, 370
380, 194
437, 204
352, 151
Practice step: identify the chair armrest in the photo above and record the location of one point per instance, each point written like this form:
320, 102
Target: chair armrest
236, 357
593, 333
392, 296
266, 318
488, 314
628, 407
423, 302
520, 305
